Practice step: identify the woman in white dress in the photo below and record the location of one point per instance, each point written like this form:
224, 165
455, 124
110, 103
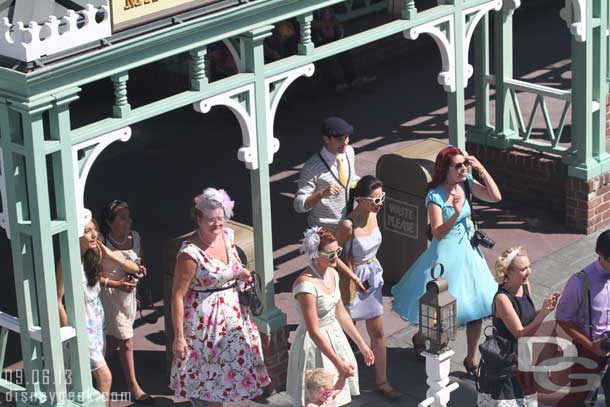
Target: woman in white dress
119, 290
320, 341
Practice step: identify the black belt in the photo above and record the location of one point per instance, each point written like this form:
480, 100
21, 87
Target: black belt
213, 290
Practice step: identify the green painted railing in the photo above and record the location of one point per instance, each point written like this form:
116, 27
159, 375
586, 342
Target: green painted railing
357, 8
552, 141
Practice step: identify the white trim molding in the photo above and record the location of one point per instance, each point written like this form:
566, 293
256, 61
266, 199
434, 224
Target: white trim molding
272, 100
30, 41
477, 13
92, 149
245, 114
574, 13
4, 223
444, 40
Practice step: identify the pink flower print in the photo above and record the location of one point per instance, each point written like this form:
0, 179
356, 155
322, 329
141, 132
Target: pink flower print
205, 281
247, 382
234, 394
195, 356
236, 267
188, 313
230, 376
214, 355
263, 377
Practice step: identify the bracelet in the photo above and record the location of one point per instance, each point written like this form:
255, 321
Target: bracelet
106, 282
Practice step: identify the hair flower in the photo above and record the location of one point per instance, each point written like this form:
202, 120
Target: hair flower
310, 242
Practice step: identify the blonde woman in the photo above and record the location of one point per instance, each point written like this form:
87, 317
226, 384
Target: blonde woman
514, 316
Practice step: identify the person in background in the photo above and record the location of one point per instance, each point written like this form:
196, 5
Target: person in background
513, 316
320, 340
466, 271
92, 253
326, 28
217, 350
359, 234
118, 293
573, 310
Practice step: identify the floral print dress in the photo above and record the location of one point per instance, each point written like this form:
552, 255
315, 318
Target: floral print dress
95, 323
224, 360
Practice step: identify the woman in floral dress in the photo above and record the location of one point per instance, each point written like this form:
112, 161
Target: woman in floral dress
217, 352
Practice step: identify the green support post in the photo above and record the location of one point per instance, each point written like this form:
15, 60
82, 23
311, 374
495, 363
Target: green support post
80, 376
42, 245
457, 124
21, 249
482, 125
503, 53
272, 318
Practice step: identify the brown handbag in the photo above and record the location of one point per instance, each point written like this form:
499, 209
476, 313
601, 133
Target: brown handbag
347, 286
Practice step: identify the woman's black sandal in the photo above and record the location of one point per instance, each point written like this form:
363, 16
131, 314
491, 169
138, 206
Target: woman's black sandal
472, 372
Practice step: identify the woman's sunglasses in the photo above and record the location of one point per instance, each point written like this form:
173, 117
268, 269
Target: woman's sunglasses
376, 201
331, 255
458, 166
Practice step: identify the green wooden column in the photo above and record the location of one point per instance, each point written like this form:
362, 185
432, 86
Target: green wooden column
272, 318
481, 88
589, 92
38, 138
503, 57
64, 188
21, 247
457, 124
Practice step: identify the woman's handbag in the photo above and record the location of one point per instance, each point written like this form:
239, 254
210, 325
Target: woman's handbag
250, 295
497, 360
347, 286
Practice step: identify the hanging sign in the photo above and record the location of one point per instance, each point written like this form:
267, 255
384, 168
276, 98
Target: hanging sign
129, 13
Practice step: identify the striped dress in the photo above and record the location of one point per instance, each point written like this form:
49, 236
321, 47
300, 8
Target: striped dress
315, 177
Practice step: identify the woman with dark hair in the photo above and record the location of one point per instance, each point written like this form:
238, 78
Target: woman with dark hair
359, 234
217, 349
467, 273
119, 290
92, 253
320, 340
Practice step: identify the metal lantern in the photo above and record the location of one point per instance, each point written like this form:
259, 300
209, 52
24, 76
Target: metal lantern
437, 313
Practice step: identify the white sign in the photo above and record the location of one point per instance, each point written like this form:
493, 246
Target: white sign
401, 217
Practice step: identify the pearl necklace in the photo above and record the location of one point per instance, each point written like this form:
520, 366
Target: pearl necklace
203, 240
315, 272
116, 242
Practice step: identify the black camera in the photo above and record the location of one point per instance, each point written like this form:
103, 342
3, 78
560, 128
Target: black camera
605, 342
480, 238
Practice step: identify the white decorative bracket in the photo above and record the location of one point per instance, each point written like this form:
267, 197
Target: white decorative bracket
32, 41
245, 114
444, 41
442, 30
92, 149
476, 14
273, 97
4, 213
574, 14
238, 56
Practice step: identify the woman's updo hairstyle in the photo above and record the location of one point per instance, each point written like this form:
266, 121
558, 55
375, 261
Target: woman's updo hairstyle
505, 262
365, 187
212, 199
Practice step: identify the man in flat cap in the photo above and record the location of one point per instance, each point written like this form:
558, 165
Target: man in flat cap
325, 180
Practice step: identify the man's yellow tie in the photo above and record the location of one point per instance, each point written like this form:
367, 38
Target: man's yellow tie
341, 171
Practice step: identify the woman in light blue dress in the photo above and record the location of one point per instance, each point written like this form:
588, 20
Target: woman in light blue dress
467, 273
360, 236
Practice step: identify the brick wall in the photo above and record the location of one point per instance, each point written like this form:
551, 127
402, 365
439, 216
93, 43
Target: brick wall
588, 204
275, 352
526, 176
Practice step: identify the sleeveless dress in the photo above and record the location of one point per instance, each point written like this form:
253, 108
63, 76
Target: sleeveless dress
507, 391
366, 266
95, 323
466, 271
305, 355
119, 306
224, 360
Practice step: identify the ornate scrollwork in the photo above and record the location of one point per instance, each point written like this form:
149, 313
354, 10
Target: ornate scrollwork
574, 14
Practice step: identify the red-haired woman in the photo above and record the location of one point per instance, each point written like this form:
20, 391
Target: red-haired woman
469, 278
320, 340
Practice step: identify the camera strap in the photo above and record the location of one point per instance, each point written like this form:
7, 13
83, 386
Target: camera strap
468, 195
349, 175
